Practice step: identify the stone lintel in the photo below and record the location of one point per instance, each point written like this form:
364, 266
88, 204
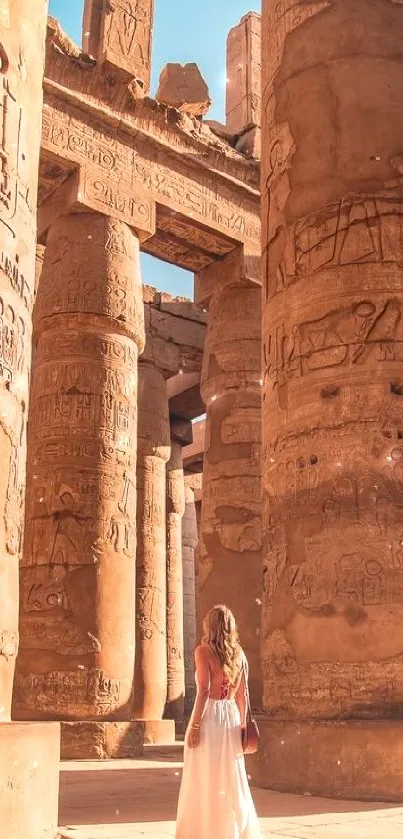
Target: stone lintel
181, 431
236, 268
351, 759
102, 740
212, 189
243, 101
120, 32
83, 192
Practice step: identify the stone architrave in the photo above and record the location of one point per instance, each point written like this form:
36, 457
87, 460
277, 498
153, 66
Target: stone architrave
333, 435
120, 31
77, 609
175, 510
189, 544
230, 544
150, 682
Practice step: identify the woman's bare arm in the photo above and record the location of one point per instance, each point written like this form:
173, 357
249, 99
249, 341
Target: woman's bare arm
202, 683
241, 695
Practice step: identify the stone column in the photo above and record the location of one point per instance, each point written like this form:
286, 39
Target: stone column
175, 510
230, 545
28, 754
77, 611
333, 453
189, 544
150, 683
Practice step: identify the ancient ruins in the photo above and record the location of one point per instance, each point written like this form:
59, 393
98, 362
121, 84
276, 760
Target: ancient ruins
245, 447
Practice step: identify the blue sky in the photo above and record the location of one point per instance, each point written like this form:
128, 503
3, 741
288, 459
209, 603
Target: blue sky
185, 30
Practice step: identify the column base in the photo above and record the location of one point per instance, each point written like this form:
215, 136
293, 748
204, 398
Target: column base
159, 732
29, 779
360, 760
102, 740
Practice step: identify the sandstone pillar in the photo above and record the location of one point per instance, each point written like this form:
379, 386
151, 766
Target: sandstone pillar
77, 611
150, 683
22, 778
230, 545
175, 510
333, 453
189, 544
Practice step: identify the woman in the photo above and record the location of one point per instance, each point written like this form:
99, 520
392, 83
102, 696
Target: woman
215, 800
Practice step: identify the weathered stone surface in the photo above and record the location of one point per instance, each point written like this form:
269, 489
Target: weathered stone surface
361, 760
175, 641
182, 86
189, 544
29, 779
332, 332
22, 55
77, 605
150, 682
120, 31
230, 544
159, 732
243, 104
89, 740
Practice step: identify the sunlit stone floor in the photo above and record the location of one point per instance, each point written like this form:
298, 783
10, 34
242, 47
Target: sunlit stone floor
133, 799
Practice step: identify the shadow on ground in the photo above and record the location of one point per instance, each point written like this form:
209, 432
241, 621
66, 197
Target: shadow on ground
130, 792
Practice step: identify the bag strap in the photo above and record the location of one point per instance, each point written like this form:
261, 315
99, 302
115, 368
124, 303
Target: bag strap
246, 678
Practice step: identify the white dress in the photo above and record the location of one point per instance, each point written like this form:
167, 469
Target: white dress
215, 801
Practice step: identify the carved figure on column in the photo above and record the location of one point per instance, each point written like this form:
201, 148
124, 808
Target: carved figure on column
77, 611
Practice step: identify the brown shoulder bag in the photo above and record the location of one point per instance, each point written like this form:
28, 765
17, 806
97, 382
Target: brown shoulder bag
250, 734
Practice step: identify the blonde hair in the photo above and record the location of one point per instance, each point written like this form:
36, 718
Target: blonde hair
221, 635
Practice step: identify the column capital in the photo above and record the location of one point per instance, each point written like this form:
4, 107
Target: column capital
181, 431
239, 267
85, 190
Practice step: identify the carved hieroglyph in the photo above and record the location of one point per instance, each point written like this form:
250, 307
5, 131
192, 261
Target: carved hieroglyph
22, 33
175, 511
333, 337
230, 545
77, 609
120, 31
189, 544
150, 683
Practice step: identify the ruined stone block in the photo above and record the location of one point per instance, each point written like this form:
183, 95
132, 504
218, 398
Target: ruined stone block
182, 86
